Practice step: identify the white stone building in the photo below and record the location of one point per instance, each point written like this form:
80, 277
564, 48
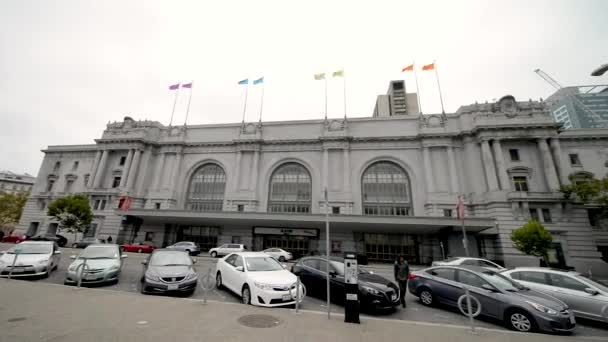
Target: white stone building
15, 183
392, 183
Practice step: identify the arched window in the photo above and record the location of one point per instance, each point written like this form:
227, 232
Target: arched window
206, 190
290, 190
385, 189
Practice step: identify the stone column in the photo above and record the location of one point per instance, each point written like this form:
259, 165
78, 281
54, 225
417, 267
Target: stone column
562, 168
453, 171
176, 169
133, 171
325, 169
125, 169
500, 166
94, 169
158, 171
548, 166
254, 171
488, 164
428, 169
346, 179
237, 171
101, 168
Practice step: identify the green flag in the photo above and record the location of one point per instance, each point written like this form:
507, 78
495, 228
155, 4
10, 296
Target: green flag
319, 77
339, 73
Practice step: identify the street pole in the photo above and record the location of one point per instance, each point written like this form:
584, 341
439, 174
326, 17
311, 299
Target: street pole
327, 253
467, 294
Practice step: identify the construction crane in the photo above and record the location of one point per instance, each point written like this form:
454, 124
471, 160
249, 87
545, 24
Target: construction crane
596, 118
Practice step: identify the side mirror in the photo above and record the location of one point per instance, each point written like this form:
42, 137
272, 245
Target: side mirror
193, 260
124, 256
240, 268
591, 291
333, 274
144, 262
73, 257
488, 287
2, 253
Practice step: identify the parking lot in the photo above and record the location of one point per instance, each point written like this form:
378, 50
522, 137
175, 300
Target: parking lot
132, 272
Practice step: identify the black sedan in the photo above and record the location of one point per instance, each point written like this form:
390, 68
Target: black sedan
59, 239
85, 242
375, 292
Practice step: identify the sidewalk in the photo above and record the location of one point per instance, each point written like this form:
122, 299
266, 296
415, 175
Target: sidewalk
42, 312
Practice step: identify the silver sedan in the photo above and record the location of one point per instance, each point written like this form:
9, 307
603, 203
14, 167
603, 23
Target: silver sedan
30, 258
103, 265
279, 254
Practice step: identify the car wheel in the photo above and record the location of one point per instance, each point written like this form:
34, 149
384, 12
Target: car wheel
426, 297
246, 295
214, 254
520, 320
218, 280
143, 289
282, 258
75, 245
140, 250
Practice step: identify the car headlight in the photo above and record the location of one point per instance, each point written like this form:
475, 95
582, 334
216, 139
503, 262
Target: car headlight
152, 277
542, 308
72, 268
263, 286
43, 261
370, 290
191, 276
114, 267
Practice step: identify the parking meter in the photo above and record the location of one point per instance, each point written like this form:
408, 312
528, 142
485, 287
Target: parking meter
351, 287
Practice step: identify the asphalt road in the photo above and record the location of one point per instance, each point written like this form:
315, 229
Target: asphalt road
133, 270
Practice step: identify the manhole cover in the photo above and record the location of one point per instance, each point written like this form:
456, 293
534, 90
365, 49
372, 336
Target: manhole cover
259, 321
16, 319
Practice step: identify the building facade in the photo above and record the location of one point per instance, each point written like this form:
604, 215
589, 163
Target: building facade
391, 184
15, 183
580, 106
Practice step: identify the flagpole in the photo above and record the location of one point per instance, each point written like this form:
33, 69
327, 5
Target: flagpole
174, 103
344, 88
189, 99
262, 102
417, 89
438, 86
245, 106
325, 78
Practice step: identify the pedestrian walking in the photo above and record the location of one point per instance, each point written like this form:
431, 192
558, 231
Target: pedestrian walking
402, 271
109, 239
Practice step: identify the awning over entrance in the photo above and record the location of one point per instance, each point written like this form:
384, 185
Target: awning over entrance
353, 223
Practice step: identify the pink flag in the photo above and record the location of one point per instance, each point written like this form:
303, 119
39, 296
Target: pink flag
174, 87
460, 208
187, 85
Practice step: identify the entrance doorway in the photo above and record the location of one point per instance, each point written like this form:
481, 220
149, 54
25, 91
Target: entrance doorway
204, 236
386, 247
296, 245
556, 256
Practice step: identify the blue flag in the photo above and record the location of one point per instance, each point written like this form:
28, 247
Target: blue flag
258, 81
245, 81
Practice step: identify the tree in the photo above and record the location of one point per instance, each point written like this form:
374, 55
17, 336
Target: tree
532, 239
11, 207
72, 212
590, 191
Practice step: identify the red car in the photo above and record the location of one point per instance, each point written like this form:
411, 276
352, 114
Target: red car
14, 238
137, 248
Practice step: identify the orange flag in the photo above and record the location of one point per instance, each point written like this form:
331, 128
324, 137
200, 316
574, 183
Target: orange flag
429, 67
408, 68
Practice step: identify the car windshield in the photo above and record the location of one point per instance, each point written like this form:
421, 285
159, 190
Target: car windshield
262, 264
501, 282
601, 284
31, 248
99, 252
170, 259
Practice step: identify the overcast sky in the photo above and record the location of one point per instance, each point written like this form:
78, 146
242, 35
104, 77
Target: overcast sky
68, 67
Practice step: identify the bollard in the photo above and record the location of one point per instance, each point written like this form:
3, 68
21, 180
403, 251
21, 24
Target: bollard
82, 270
300, 293
297, 294
10, 273
469, 312
207, 284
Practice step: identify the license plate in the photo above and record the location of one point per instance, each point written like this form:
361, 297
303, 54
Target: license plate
90, 276
172, 287
393, 297
18, 270
572, 320
351, 296
286, 297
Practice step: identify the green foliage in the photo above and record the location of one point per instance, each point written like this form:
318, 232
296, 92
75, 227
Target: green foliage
72, 212
532, 239
11, 207
590, 191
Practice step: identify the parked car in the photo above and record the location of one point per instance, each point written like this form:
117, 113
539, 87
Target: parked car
258, 278
279, 254
86, 242
137, 248
375, 292
466, 261
186, 246
587, 296
169, 271
501, 298
36, 258
226, 249
59, 239
104, 265
14, 238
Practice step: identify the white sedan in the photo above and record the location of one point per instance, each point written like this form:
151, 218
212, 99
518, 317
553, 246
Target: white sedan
279, 254
258, 278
